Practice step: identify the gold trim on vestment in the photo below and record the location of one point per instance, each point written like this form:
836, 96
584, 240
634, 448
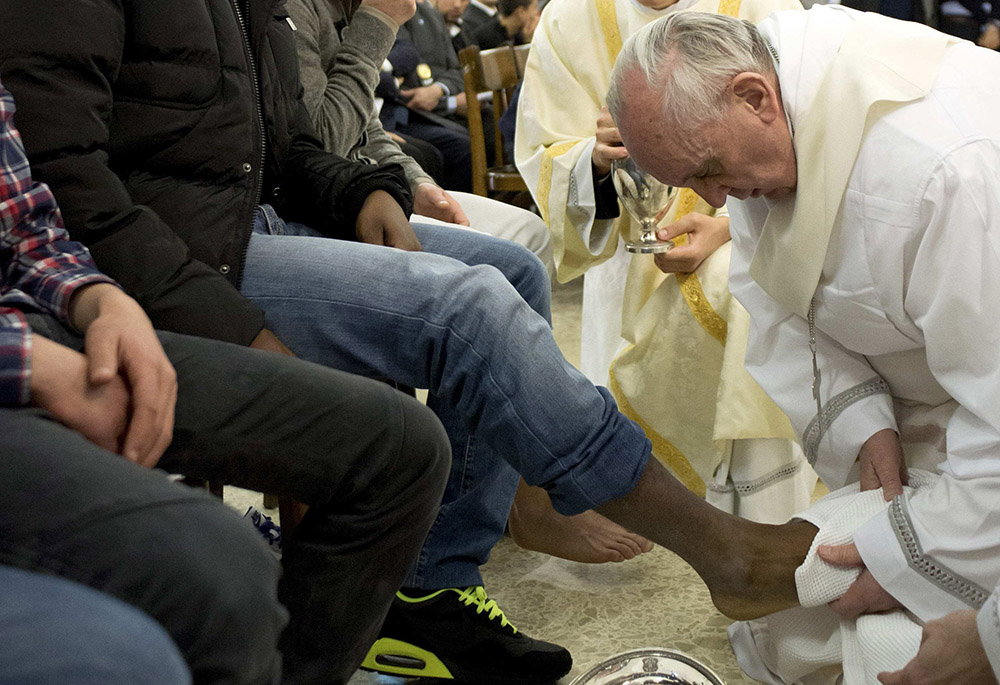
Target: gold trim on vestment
663, 449
608, 17
545, 176
730, 8
689, 284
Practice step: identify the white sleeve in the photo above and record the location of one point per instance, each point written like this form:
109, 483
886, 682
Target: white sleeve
939, 549
556, 123
855, 399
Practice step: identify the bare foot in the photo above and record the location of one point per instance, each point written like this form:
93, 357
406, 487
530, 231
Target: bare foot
759, 578
586, 537
748, 567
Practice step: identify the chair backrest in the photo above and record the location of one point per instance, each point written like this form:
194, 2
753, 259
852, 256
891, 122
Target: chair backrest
521, 58
487, 71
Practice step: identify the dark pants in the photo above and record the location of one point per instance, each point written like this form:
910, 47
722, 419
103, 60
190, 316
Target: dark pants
370, 462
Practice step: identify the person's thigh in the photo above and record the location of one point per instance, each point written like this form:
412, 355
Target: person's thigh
56, 632
524, 270
374, 310
277, 424
508, 222
72, 509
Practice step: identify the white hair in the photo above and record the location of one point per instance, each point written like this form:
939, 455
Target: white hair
689, 57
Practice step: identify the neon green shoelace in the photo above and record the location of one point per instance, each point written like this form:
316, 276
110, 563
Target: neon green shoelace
477, 595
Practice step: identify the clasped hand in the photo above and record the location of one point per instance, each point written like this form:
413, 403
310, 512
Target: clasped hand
121, 391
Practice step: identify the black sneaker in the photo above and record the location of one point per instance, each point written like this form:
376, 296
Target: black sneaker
461, 635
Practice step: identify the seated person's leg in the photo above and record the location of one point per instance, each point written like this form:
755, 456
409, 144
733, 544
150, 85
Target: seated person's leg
431, 321
426, 155
502, 220
55, 632
528, 276
368, 460
75, 510
587, 537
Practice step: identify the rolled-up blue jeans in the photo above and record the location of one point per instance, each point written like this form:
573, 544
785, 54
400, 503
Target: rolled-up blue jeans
468, 319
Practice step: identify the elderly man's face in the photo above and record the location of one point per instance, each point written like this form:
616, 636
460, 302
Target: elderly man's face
747, 153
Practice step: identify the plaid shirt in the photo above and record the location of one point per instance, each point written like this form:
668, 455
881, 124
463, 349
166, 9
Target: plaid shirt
40, 267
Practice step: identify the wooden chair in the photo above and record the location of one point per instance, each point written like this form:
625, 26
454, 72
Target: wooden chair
490, 71
521, 58
289, 511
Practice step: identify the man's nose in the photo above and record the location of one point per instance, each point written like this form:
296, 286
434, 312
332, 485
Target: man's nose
714, 195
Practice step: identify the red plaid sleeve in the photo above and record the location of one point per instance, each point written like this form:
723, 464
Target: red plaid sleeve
40, 267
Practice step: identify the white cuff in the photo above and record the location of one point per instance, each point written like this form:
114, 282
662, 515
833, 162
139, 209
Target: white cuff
884, 555
840, 445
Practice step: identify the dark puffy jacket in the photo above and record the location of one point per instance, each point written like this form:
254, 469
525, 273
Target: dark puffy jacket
148, 118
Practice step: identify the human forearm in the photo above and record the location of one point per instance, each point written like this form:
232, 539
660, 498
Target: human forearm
385, 150
339, 76
15, 358
855, 400
327, 191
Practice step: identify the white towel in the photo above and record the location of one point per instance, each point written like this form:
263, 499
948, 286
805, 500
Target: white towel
811, 645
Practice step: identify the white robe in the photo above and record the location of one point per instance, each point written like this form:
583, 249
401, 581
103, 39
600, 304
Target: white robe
908, 332
677, 342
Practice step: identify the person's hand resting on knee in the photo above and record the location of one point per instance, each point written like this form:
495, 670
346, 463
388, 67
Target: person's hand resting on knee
120, 392
432, 200
381, 222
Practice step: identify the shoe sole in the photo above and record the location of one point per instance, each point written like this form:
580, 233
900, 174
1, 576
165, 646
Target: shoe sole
395, 657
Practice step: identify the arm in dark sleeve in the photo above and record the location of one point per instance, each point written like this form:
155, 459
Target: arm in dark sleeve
59, 59
328, 191
605, 196
451, 75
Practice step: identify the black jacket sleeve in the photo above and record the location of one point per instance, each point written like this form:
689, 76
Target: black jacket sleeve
59, 59
326, 191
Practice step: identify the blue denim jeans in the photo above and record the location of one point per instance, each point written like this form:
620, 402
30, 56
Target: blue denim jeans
468, 319
56, 632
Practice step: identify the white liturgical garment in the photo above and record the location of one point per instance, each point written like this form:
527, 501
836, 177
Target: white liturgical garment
908, 332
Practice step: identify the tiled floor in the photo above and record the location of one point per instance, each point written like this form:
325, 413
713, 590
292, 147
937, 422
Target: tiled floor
598, 610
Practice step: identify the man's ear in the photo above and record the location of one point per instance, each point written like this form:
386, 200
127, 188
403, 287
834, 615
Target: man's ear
754, 91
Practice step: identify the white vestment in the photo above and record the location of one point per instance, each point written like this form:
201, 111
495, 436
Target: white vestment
908, 337
677, 341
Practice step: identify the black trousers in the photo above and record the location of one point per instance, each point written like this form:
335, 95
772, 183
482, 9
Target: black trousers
370, 461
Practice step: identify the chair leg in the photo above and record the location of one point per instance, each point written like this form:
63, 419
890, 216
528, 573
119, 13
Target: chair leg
290, 512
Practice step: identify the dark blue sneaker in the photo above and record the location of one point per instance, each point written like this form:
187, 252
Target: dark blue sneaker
270, 531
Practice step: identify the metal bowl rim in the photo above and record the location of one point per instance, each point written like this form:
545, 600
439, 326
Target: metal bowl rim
652, 651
